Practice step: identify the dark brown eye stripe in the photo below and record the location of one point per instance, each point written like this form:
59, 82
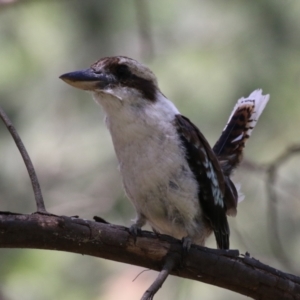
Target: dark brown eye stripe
124, 77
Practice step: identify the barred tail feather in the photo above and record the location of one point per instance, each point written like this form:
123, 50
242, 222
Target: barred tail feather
245, 114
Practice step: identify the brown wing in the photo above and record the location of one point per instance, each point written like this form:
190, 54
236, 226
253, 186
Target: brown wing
216, 194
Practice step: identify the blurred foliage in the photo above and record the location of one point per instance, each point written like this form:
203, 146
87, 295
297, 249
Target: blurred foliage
206, 54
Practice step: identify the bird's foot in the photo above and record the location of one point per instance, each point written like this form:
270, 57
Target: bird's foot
186, 246
135, 230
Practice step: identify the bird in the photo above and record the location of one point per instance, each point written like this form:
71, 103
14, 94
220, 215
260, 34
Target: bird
176, 181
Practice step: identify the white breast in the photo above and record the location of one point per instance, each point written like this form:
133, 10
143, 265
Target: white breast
155, 173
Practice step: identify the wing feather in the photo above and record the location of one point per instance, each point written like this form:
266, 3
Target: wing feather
216, 193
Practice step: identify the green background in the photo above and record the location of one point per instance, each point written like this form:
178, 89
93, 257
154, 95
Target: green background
206, 54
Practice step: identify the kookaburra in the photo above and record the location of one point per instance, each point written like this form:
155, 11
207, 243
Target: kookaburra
175, 180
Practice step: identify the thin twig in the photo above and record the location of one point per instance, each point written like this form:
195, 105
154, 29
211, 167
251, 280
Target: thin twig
162, 276
253, 166
272, 171
33, 177
143, 271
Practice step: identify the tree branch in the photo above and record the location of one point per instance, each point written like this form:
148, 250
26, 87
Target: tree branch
33, 177
170, 263
244, 275
271, 170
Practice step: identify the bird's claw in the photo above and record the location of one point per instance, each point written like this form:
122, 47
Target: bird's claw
135, 231
186, 244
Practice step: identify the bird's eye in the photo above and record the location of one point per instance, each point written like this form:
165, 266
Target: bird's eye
122, 70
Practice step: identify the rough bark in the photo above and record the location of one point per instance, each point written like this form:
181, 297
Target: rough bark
227, 269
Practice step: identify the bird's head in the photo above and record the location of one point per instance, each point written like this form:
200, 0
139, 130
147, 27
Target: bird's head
116, 81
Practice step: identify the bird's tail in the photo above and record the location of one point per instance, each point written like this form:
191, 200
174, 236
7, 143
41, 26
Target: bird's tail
230, 145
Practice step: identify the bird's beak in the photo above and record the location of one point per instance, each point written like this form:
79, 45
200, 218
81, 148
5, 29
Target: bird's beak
85, 79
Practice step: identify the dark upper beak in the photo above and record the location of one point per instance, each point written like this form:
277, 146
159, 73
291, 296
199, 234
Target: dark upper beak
85, 79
